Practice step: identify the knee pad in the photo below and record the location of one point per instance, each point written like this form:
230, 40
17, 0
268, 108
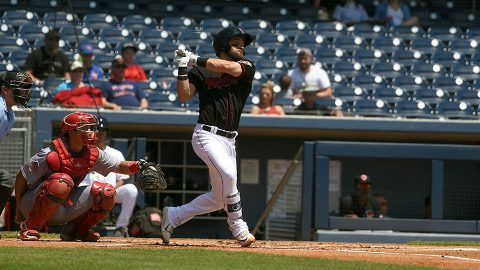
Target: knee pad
58, 186
103, 196
234, 206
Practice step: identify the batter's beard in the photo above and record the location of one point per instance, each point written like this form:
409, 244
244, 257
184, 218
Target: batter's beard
235, 56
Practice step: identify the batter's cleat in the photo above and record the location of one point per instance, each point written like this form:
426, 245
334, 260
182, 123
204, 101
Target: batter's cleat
167, 228
120, 232
245, 238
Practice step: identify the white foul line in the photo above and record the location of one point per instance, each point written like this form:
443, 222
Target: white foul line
413, 254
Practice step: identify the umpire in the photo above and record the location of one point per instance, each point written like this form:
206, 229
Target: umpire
15, 90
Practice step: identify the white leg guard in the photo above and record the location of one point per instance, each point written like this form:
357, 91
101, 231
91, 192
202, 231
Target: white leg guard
127, 197
233, 207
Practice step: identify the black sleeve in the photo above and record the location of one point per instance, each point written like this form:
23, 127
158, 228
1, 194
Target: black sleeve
248, 70
65, 63
194, 77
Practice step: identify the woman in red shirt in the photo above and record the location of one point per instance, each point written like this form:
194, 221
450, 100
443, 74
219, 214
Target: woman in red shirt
266, 104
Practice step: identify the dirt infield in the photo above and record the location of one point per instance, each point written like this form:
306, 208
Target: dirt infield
437, 256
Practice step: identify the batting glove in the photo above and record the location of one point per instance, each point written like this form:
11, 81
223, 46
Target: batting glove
181, 58
192, 61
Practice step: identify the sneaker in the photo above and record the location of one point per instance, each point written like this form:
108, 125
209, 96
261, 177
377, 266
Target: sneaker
245, 238
27, 235
167, 228
120, 232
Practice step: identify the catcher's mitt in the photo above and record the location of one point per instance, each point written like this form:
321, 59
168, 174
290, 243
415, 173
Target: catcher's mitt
151, 176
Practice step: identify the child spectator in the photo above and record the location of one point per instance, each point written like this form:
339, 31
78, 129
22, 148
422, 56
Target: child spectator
94, 71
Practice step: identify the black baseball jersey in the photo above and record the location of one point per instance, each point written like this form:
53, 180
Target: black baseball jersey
222, 96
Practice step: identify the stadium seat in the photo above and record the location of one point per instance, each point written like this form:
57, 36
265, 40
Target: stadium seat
255, 27
387, 70
69, 34
155, 38
98, 21
371, 108
270, 68
18, 57
6, 30
304, 40
122, 8
388, 45
409, 32
30, 32
60, 19
350, 94
85, 7
274, 13
348, 44
165, 8
369, 82
390, 95
286, 55
428, 71
414, 109
206, 50
198, 11
408, 58
466, 72
409, 83
272, 41
466, 47
18, 17
427, 45
194, 38
162, 73
214, 25
330, 29
368, 57
456, 110
464, 18
447, 59
236, 12
368, 31
137, 23
330, 56
177, 24
307, 14
12, 44
292, 28
470, 96
115, 35
432, 96
450, 84
349, 69
444, 32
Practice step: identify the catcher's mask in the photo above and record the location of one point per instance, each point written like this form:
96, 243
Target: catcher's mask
85, 124
20, 82
221, 43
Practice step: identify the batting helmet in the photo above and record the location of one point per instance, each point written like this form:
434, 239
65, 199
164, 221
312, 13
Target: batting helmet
21, 83
221, 43
85, 123
103, 123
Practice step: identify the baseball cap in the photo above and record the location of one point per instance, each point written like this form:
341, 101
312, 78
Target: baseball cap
362, 179
86, 49
310, 88
305, 51
76, 65
118, 62
129, 45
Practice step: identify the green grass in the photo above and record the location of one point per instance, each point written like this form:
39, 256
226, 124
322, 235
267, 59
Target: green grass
443, 243
14, 258
12, 234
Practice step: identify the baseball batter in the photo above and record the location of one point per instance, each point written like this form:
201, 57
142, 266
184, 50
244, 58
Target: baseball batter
223, 85
47, 187
15, 90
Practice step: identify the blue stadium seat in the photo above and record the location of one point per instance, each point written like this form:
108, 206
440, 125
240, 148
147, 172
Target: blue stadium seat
388, 45
237, 12
115, 35
60, 19
414, 109
470, 96
387, 70
270, 68
98, 21
6, 30
472, 32
350, 94
330, 29
30, 32
18, 57
8, 67
368, 57
390, 95
464, 18
369, 82
444, 32
214, 25
427, 45
349, 69
122, 8
304, 40
368, 31
456, 110
274, 13
177, 24
164, 8
467, 72
348, 44
198, 11
429, 71
286, 55
194, 38
137, 23
162, 73
12, 44
272, 41
409, 32
467, 47
69, 34
85, 7
292, 28
330, 56
18, 17
206, 50
447, 59
409, 83
307, 13
255, 26
155, 38
146, 59
432, 96
408, 58
371, 108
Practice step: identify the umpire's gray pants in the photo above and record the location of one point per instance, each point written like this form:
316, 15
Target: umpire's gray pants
81, 198
7, 183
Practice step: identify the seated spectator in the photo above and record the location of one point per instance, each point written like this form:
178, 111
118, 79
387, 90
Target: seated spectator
74, 93
306, 73
120, 92
267, 105
350, 12
382, 201
133, 72
309, 105
360, 203
94, 71
76, 72
48, 60
395, 13
284, 82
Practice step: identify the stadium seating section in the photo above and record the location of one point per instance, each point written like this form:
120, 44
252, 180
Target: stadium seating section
410, 72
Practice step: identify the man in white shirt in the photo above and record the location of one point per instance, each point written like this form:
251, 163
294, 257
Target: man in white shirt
307, 74
126, 193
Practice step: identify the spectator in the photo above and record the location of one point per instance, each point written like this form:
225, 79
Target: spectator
76, 72
395, 13
360, 203
94, 71
74, 93
126, 193
306, 73
284, 82
48, 60
120, 92
309, 105
267, 105
133, 72
382, 201
350, 12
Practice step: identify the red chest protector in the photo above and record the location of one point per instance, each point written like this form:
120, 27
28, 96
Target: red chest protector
60, 160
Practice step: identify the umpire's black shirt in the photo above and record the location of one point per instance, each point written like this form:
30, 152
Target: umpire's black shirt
222, 96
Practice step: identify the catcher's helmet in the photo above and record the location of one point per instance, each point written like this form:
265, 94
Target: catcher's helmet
85, 123
221, 43
21, 83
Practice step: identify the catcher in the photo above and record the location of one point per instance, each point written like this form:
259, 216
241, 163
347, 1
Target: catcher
47, 187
